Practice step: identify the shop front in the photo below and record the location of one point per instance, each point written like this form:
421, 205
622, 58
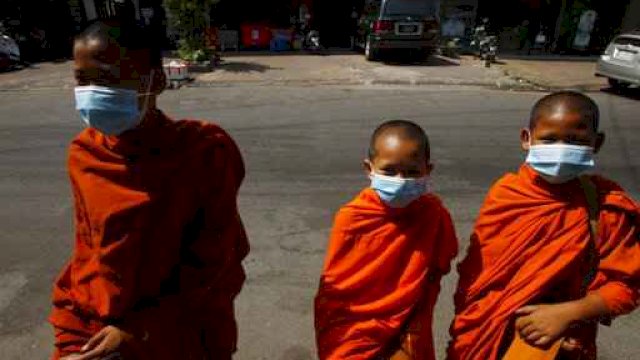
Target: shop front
257, 22
581, 26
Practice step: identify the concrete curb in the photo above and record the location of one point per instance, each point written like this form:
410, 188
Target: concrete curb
504, 83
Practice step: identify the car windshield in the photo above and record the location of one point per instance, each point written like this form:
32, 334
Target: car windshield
411, 7
627, 40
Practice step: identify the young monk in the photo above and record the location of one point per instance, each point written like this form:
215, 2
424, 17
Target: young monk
159, 242
388, 251
537, 267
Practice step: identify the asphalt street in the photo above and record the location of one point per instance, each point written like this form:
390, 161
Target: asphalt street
303, 148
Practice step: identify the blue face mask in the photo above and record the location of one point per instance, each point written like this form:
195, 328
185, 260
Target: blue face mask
559, 163
399, 192
111, 111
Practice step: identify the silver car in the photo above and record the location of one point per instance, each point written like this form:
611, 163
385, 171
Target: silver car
620, 62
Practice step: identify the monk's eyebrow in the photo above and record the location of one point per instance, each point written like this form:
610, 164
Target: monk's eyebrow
96, 76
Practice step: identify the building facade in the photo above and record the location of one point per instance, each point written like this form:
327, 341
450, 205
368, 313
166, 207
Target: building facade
45, 28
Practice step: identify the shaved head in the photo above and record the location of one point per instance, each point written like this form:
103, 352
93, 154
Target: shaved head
399, 130
122, 36
566, 102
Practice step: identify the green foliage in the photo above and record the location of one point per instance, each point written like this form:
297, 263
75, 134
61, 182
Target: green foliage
190, 18
194, 55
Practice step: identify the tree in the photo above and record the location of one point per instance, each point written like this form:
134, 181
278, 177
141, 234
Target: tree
190, 18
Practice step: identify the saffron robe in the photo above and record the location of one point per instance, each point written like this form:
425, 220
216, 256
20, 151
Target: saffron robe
532, 244
382, 276
158, 241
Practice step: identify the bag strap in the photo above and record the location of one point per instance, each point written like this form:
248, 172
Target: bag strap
591, 194
593, 207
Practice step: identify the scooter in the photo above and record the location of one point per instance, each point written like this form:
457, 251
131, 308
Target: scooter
488, 50
312, 41
485, 45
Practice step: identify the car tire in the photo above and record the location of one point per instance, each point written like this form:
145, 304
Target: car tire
617, 84
370, 53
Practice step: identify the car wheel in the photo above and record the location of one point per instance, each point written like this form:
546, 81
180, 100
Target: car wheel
617, 84
370, 53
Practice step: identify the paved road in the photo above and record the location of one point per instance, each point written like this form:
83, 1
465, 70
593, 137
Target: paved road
303, 148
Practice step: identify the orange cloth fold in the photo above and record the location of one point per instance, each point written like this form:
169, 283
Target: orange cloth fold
531, 245
382, 271
159, 241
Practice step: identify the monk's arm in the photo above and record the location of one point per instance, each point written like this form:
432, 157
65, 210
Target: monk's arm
543, 324
618, 279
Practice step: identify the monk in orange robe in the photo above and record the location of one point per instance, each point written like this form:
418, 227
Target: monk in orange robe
159, 242
388, 250
537, 267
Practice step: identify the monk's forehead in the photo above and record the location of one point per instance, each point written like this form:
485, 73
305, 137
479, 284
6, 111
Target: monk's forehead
567, 120
568, 113
392, 141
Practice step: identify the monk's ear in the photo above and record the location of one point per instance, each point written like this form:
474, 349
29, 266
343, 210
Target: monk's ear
367, 166
525, 139
599, 142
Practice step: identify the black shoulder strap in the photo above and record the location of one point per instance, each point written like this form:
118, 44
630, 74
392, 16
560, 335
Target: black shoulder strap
591, 194
593, 207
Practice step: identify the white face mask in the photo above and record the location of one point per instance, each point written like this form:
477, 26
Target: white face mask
560, 163
399, 192
110, 110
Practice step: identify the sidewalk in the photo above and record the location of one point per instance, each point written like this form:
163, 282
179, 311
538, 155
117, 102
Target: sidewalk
348, 69
555, 72
48, 75
345, 68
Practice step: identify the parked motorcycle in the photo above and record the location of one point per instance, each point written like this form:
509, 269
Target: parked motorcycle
489, 50
312, 41
485, 45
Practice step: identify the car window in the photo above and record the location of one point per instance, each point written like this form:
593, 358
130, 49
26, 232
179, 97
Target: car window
626, 40
411, 7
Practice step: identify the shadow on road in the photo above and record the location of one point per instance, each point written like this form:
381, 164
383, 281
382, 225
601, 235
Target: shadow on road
244, 67
431, 61
266, 53
630, 93
549, 57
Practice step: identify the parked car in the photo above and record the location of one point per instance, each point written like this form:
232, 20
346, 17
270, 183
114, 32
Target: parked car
620, 62
391, 25
9, 52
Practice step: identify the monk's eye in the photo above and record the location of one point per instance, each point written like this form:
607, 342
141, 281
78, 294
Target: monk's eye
548, 140
389, 171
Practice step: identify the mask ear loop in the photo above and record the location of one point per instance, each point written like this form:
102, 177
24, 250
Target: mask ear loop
145, 105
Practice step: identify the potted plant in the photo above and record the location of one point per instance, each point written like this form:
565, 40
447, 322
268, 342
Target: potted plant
190, 19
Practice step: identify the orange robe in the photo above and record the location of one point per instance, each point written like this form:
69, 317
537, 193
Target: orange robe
530, 245
382, 268
159, 241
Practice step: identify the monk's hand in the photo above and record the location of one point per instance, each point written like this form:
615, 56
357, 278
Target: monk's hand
107, 342
571, 345
542, 325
